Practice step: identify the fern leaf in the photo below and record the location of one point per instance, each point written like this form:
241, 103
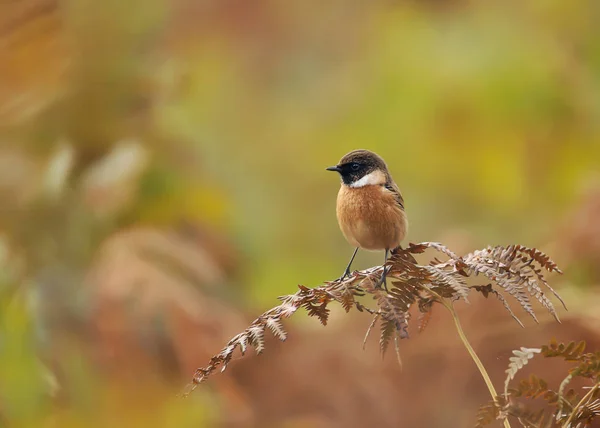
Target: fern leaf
225, 355
287, 309
420, 248
346, 298
393, 309
397, 349
320, 311
535, 291
228, 349
507, 268
589, 366
520, 261
517, 362
544, 262
541, 258
516, 270
256, 337
448, 283
242, 341
401, 296
486, 290
276, 328
388, 328
561, 393
532, 387
515, 290
487, 414
570, 352
368, 333
426, 309
530, 418
593, 410
587, 410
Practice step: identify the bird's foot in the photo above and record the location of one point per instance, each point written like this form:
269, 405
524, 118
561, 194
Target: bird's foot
345, 275
382, 283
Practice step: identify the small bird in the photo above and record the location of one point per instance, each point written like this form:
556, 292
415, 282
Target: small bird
370, 208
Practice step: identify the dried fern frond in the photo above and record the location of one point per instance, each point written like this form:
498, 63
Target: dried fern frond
488, 413
562, 399
443, 281
562, 407
532, 387
589, 363
589, 367
519, 359
393, 313
570, 352
368, 333
420, 248
586, 410
486, 290
315, 300
530, 418
502, 408
426, 311
516, 270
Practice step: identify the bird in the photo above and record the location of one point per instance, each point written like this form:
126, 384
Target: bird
370, 208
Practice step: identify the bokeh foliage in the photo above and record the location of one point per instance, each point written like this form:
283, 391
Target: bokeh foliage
224, 114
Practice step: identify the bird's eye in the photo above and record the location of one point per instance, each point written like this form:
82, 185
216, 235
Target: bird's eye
355, 166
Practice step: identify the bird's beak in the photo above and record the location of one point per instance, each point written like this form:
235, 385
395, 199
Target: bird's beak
334, 168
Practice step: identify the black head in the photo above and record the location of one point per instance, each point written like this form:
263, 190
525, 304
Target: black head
357, 164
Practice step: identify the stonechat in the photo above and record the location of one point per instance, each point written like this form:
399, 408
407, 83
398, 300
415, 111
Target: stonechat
370, 207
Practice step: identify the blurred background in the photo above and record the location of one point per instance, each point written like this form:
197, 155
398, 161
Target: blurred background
162, 181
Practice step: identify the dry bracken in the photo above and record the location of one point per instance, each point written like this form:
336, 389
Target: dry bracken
513, 270
560, 407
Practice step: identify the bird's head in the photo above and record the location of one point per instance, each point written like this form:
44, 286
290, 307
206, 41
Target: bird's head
361, 168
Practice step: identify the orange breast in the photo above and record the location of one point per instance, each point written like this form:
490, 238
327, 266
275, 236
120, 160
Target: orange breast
370, 217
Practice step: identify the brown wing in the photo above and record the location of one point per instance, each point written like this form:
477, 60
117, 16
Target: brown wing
393, 187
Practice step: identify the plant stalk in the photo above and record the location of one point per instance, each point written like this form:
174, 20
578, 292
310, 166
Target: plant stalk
474, 356
585, 398
463, 337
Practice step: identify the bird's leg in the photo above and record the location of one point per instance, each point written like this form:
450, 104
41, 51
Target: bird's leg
347, 271
382, 281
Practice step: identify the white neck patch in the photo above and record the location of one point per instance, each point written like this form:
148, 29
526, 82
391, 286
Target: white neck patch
373, 178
